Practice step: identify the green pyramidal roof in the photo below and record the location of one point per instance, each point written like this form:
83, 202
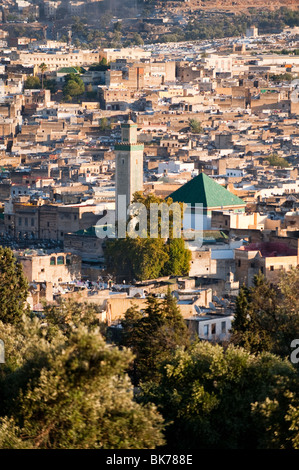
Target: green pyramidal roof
204, 190
67, 70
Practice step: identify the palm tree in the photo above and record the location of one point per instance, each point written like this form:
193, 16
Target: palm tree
43, 67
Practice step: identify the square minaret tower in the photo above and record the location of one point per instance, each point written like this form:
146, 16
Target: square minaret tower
129, 164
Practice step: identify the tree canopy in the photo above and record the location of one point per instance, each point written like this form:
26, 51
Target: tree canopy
74, 86
267, 317
13, 288
216, 398
275, 160
32, 82
195, 126
146, 256
69, 392
153, 335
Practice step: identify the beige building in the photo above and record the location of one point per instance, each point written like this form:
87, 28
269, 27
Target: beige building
269, 258
70, 58
47, 221
55, 268
132, 53
86, 244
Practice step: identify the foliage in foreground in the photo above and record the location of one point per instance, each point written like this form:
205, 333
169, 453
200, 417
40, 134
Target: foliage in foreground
212, 398
267, 317
63, 386
13, 288
68, 392
153, 336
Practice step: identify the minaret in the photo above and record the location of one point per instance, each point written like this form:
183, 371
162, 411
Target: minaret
129, 165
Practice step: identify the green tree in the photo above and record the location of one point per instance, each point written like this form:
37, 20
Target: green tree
179, 258
104, 124
216, 398
74, 86
118, 26
153, 336
70, 392
137, 39
147, 256
32, 82
50, 85
195, 126
43, 67
13, 288
275, 160
136, 258
288, 77
267, 317
67, 314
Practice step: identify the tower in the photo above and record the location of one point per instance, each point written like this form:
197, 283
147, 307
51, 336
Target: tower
129, 165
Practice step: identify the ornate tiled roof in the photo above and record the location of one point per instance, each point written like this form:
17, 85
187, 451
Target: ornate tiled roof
204, 190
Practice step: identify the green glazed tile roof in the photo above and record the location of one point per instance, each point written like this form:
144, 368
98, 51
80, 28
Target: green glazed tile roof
204, 190
67, 70
91, 231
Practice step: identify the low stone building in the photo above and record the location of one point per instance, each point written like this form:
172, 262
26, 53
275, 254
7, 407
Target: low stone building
269, 258
55, 267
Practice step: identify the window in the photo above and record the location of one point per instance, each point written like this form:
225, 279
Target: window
213, 328
206, 330
223, 327
32, 222
239, 262
271, 268
60, 259
52, 261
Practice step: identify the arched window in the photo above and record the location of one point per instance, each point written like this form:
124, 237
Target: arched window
52, 261
60, 259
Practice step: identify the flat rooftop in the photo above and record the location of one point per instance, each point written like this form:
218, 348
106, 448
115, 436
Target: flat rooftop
270, 249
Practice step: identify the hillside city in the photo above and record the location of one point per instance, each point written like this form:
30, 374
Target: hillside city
144, 108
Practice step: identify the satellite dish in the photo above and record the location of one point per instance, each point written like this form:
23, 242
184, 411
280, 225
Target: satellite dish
198, 311
212, 306
216, 299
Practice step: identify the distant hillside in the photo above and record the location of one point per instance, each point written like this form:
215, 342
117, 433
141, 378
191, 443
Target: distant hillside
228, 5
